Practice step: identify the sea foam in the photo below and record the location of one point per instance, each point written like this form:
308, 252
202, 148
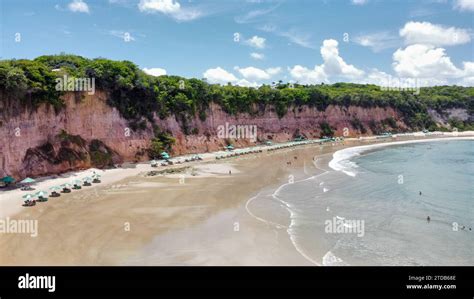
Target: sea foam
341, 160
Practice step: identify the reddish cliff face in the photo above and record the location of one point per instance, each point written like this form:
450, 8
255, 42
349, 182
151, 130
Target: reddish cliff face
31, 147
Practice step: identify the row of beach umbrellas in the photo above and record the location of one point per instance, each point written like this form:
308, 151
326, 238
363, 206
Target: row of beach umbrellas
44, 194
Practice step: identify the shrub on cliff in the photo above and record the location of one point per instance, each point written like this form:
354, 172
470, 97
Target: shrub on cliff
101, 155
30, 82
326, 130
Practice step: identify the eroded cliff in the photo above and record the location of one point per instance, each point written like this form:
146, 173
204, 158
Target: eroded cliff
88, 132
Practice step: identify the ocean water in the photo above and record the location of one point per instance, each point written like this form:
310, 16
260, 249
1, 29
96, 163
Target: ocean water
366, 209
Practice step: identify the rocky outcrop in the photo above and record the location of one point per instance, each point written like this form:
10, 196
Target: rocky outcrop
31, 146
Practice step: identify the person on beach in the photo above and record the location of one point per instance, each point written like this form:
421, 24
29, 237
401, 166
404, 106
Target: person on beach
230, 172
428, 219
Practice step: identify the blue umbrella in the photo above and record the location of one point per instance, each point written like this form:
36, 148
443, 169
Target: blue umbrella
28, 181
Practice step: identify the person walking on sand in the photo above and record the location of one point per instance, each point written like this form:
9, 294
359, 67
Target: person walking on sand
230, 172
428, 219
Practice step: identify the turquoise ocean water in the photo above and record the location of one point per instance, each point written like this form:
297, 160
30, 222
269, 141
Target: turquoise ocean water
377, 189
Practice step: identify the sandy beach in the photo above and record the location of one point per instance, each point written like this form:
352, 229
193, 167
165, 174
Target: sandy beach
200, 215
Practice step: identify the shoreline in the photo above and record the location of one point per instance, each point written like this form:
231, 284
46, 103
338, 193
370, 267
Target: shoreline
350, 152
10, 202
166, 216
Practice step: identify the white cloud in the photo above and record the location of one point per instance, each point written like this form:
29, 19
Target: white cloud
433, 34
308, 76
156, 71
251, 76
257, 56
169, 7
468, 68
377, 41
334, 64
78, 6
376, 77
163, 6
427, 64
256, 42
423, 61
359, 2
272, 71
468, 81
464, 5
253, 73
245, 83
468, 73
219, 75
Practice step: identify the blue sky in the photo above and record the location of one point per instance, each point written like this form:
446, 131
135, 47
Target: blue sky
255, 41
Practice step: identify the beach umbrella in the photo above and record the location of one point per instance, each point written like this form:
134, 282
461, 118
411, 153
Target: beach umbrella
229, 147
66, 185
75, 182
28, 181
165, 155
7, 180
54, 188
41, 194
86, 179
28, 196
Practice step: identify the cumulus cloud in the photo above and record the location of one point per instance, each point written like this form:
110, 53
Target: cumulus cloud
421, 60
246, 83
256, 42
253, 73
468, 74
257, 56
376, 77
78, 6
333, 65
156, 71
273, 71
433, 34
171, 8
308, 76
219, 75
464, 5
250, 76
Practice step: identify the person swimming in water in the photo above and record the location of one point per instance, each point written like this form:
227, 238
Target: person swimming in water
420, 193
428, 219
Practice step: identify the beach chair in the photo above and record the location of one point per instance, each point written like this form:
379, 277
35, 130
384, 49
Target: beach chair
29, 203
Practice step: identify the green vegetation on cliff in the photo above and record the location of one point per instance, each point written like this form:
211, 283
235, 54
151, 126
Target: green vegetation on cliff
138, 96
